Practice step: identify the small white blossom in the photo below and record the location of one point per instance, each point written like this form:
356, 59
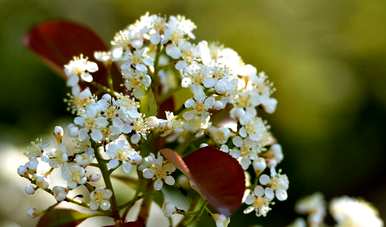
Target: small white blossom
85, 158
40, 182
314, 206
353, 212
277, 184
100, 198
60, 193
257, 202
74, 175
80, 68
29, 189
121, 152
159, 170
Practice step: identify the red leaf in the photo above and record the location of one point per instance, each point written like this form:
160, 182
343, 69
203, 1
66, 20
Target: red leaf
167, 105
57, 42
62, 218
216, 175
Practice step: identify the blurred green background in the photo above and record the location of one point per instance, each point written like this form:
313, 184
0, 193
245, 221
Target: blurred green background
327, 60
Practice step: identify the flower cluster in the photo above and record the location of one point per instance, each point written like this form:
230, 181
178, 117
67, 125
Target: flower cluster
218, 101
345, 210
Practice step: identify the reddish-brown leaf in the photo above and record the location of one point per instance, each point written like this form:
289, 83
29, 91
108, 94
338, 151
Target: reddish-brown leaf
216, 175
167, 105
57, 42
62, 218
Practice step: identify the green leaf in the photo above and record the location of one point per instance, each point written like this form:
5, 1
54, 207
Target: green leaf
180, 96
148, 104
61, 218
158, 197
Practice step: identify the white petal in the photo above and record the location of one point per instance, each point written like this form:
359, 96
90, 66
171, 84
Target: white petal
269, 193
86, 77
72, 80
96, 135
173, 51
245, 162
281, 195
169, 180
259, 191
148, 173
117, 53
126, 167
91, 66
209, 82
249, 199
93, 205
264, 179
158, 184
105, 205
248, 210
112, 164
189, 103
135, 138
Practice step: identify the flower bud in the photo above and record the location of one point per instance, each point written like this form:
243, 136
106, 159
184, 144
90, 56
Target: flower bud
29, 189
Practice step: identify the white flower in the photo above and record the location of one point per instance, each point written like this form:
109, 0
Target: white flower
79, 99
219, 135
313, 205
258, 202
353, 212
60, 193
100, 198
158, 169
29, 189
91, 122
139, 59
177, 28
245, 151
277, 186
121, 152
56, 155
85, 158
35, 150
79, 68
40, 182
74, 175
199, 107
136, 81
254, 129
